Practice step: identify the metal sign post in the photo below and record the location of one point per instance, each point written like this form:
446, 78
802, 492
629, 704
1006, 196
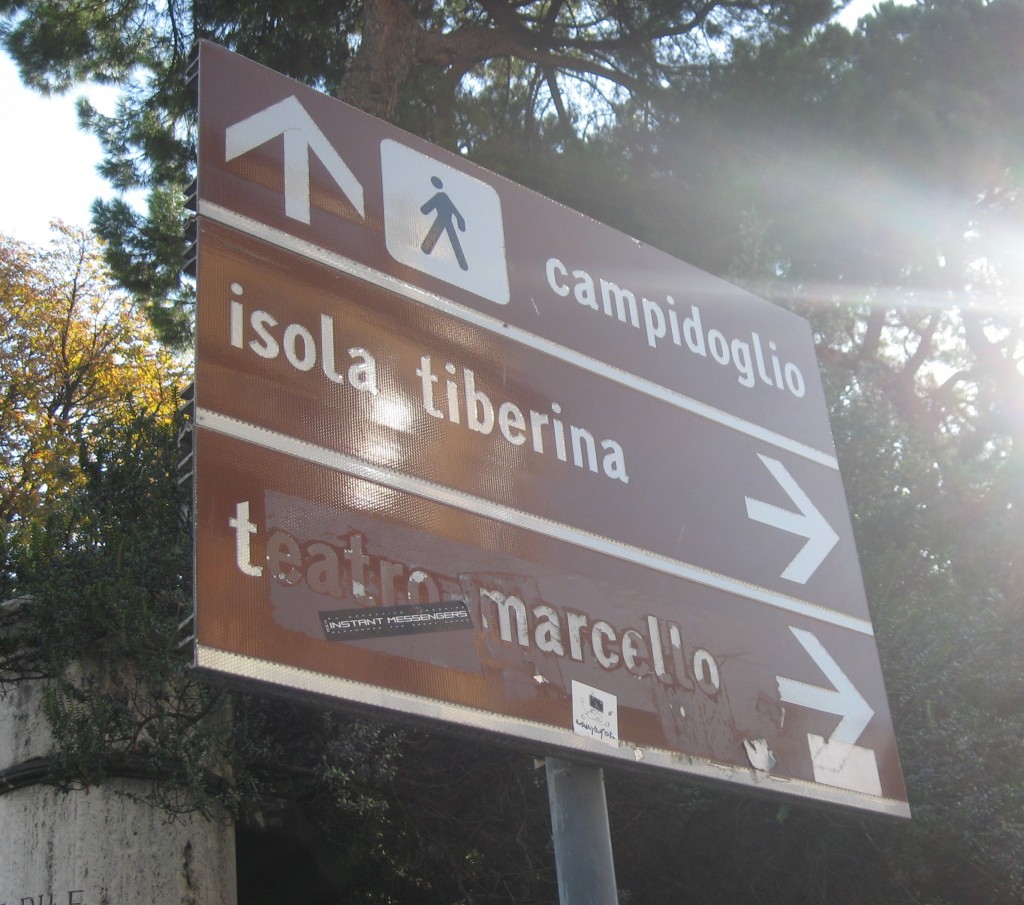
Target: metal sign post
579, 826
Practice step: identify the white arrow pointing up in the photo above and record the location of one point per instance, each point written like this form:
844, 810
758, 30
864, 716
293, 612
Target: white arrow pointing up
842, 699
808, 522
301, 136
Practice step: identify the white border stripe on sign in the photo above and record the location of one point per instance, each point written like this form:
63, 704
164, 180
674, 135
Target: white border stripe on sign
544, 735
378, 474
495, 325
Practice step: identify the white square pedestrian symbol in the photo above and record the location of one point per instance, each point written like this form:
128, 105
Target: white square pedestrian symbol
443, 222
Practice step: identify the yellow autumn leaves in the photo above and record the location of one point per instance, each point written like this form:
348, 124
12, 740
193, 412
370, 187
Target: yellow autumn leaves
76, 355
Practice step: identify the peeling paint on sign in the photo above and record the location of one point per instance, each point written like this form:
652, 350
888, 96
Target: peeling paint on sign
759, 754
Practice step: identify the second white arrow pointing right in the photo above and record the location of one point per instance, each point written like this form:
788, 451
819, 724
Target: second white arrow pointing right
838, 761
808, 523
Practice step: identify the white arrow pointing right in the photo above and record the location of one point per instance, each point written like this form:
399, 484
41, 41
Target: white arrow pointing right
808, 523
301, 135
842, 699
837, 761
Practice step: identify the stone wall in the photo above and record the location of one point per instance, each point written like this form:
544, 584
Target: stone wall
98, 846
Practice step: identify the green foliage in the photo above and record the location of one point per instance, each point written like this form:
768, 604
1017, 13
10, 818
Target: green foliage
62, 44
444, 70
73, 354
105, 584
306, 40
942, 565
146, 253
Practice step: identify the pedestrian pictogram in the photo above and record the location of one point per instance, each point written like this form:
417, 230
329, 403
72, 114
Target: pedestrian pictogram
447, 215
443, 222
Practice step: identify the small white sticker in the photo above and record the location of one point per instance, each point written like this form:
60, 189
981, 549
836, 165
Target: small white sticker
443, 222
595, 714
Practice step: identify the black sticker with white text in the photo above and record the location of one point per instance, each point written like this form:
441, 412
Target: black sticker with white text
349, 625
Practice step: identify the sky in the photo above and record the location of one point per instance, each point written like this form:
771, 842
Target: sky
50, 164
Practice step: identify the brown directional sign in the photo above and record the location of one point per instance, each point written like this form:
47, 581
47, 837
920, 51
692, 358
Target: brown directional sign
465, 454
